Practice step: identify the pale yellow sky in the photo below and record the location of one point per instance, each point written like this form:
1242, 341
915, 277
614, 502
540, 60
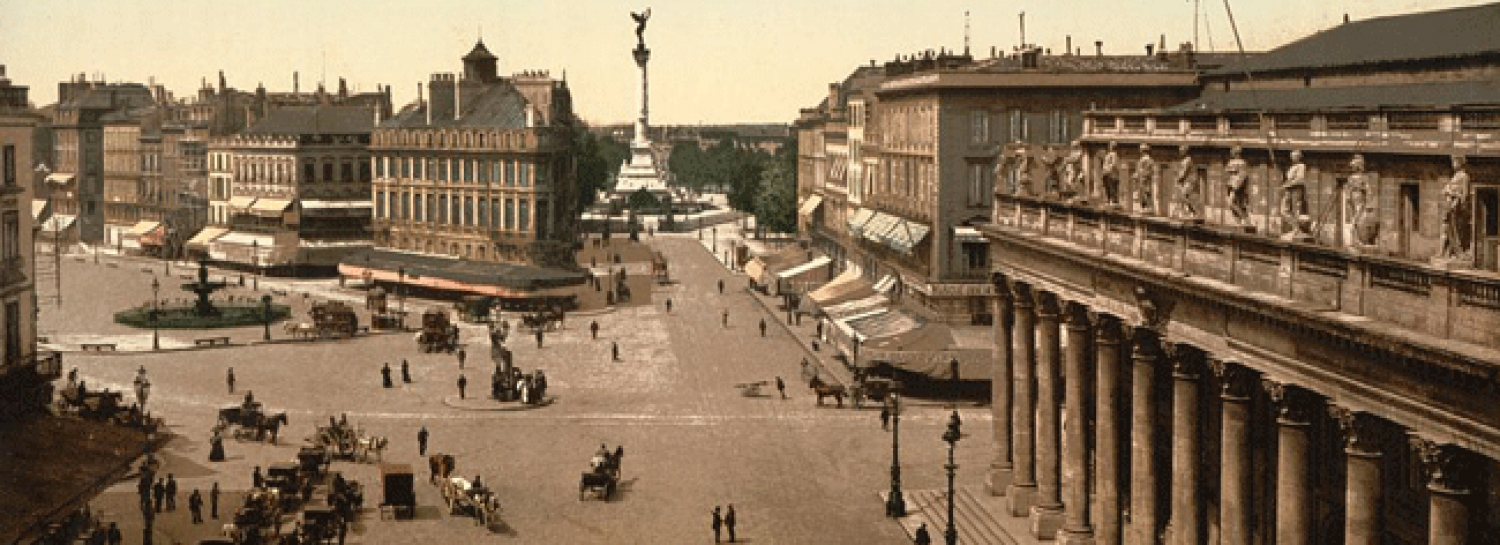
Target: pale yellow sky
713, 61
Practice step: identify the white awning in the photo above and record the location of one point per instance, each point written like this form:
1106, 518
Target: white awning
247, 239
205, 236
968, 234
59, 178
309, 204
241, 202
810, 205
142, 228
794, 272
57, 223
270, 207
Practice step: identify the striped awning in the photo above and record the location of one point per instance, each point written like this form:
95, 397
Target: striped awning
270, 207
810, 205
311, 204
201, 240
142, 228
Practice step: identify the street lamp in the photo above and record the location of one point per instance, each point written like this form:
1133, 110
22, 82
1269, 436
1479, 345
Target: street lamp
895, 505
401, 294
255, 262
953, 367
265, 304
155, 310
951, 437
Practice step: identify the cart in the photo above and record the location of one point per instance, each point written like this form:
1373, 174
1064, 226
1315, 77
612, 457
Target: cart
397, 490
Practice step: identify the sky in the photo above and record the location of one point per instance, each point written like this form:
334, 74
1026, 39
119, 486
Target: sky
713, 61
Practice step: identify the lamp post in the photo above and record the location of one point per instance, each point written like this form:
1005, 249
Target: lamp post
895, 505
401, 294
951, 437
953, 367
265, 305
255, 262
155, 310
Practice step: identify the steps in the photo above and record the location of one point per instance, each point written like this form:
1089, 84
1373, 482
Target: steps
975, 516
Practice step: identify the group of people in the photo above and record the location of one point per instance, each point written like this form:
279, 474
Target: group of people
724, 521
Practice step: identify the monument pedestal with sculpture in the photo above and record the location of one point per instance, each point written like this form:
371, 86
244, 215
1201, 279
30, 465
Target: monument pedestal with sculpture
643, 171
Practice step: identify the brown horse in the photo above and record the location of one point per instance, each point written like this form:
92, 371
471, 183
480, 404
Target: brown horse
441, 466
824, 389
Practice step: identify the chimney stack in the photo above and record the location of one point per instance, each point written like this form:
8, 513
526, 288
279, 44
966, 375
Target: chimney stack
1149, 49
295, 83
1068, 50
1099, 48
833, 96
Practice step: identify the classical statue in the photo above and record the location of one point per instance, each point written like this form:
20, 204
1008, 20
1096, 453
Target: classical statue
1023, 172
640, 26
1050, 176
1237, 186
1073, 166
1364, 228
1145, 181
1455, 237
1185, 203
1108, 167
1294, 199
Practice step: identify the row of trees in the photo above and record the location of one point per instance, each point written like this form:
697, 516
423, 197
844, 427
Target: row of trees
756, 182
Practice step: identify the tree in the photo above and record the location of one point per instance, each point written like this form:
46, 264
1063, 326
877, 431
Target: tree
776, 203
599, 160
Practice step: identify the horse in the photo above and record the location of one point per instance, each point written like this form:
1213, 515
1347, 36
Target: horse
271, 423
372, 444
824, 389
301, 330
441, 466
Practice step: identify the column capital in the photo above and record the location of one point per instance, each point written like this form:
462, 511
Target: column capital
1021, 293
1145, 343
1235, 380
1296, 404
1359, 430
1155, 308
1001, 283
1077, 316
1107, 327
1450, 468
1187, 360
1047, 304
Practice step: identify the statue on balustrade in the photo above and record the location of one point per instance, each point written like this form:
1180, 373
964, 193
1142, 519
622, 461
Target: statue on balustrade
1145, 182
1185, 202
1238, 187
1457, 231
1109, 166
1049, 160
1364, 227
1073, 178
1294, 219
1023, 172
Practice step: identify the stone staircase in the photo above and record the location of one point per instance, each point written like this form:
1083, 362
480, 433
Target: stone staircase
979, 518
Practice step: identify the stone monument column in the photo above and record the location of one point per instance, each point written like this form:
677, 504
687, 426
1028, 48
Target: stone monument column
643, 56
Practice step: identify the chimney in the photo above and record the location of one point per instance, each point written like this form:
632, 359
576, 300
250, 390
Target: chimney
833, 96
457, 102
423, 104
296, 85
1069, 49
1149, 49
1099, 48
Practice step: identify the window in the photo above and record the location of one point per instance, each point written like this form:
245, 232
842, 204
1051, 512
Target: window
976, 256
405, 205
432, 207
442, 169
10, 248
443, 209
468, 211
348, 172
468, 170
978, 183
510, 173
510, 214
484, 169
979, 126
364, 172
523, 216
484, 212
458, 211
10, 165
380, 204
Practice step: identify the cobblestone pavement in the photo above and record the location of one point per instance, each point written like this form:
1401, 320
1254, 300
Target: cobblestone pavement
795, 472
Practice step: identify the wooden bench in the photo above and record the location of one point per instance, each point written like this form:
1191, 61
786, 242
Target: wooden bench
97, 347
211, 341
752, 389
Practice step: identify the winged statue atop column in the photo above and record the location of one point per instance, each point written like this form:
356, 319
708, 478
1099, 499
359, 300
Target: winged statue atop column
640, 26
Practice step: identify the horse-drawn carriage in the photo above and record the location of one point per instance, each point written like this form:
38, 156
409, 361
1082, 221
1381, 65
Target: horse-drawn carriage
548, 319
344, 441
865, 389
472, 499
93, 405
289, 482
602, 480
258, 520
397, 492
250, 421
438, 334
334, 319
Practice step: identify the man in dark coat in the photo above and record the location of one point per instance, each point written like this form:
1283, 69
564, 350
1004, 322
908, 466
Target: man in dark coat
213, 500
729, 522
462, 382
256, 479
422, 441
385, 375
538, 337
171, 492
762, 327
405, 372
159, 493
718, 522
195, 506
594, 329
461, 356
922, 537
614, 351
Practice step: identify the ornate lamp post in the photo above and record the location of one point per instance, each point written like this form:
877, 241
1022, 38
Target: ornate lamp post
155, 310
255, 261
895, 505
401, 294
951, 437
714, 235
265, 306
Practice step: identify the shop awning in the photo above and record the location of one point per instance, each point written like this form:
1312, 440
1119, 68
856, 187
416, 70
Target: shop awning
856, 307
59, 178
58, 223
141, 228
878, 226
810, 205
207, 235
444, 273
270, 207
906, 235
858, 220
848, 286
799, 270
38, 206
310, 204
885, 284
241, 238
968, 235
241, 202
804, 277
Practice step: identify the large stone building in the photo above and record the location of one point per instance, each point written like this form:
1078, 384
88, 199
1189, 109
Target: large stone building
25, 374
298, 188
76, 183
475, 187
1274, 318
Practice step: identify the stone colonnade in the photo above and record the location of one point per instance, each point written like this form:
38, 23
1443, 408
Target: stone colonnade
1102, 442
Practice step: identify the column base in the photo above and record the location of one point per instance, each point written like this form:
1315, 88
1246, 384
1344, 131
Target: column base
998, 480
1020, 499
1075, 537
1046, 522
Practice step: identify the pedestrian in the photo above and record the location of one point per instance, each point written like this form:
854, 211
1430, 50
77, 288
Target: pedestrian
594, 329
718, 522
818, 331
885, 418
385, 375
422, 441
462, 382
922, 537
159, 493
213, 501
538, 337
171, 492
724, 318
762, 327
669, 305
614, 351
230, 379
195, 506
256, 479
343, 529
115, 536
721, 286
405, 372
729, 522
461, 356
781, 387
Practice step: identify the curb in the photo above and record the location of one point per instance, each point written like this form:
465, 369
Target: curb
501, 406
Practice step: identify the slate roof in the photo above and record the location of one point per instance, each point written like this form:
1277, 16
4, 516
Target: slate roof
1432, 95
480, 53
293, 120
499, 106
1447, 34
126, 95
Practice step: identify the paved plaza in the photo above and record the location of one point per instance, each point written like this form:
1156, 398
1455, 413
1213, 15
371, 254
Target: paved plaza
795, 472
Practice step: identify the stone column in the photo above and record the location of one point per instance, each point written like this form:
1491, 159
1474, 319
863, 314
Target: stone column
1187, 442
1022, 492
1235, 515
1076, 377
1363, 523
1294, 507
1047, 514
1000, 388
1450, 470
1145, 520
1107, 440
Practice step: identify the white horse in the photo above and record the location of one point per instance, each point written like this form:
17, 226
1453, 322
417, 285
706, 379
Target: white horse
301, 329
373, 444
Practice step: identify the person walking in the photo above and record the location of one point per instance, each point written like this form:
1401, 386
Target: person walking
594, 329
614, 351
729, 522
538, 337
721, 286
718, 523
724, 318
256, 479
781, 387
422, 441
213, 501
195, 506
159, 493
405, 372
385, 375
762, 327
462, 382
143, 488
461, 356
171, 492
669, 305
229, 378
885, 418
922, 537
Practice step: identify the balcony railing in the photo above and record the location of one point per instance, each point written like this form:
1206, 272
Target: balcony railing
1415, 131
